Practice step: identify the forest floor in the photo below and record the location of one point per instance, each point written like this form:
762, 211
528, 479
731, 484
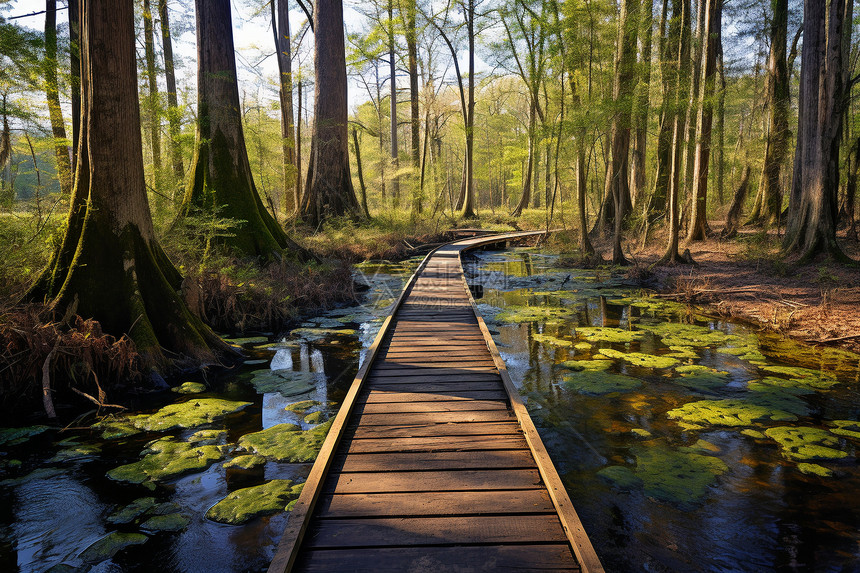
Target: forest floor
746, 279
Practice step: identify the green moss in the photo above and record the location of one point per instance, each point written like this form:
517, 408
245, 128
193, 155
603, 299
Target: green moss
588, 365
77, 452
189, 388
814, 469
315, 417
314, 334
621, 477
110, 545
676, 476
116, 428
591, 382
730, 412
753, 434
132, 511
247, 340
745, 348
207, 437
245, 504
169, 522
683, 352
701, 377
548, 340
286, 382
607, 334
302, 407
848, 428
806, 443
16, 436
245, 462
166, 459
582, 346
772, 384
640, 433
804, 376
640, 359
286, 442
652, 305
190, 414
544, 313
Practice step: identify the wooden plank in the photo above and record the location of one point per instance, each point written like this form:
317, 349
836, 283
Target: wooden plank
464, 372
433, 354
435, 406
393, 531
469, 364
454, 559
462, 416
407, 461
388, 395
436, 444
454, 385
450, 429
436, 503
433, 480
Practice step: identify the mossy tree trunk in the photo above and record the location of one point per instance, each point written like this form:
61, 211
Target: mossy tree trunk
329, 191
58, 126
220, 179
174, 114
110, 266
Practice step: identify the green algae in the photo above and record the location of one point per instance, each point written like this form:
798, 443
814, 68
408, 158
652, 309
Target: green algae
640, 359
728, 412
587, 365
315, 417
169, 522
110, 545
683, 352
591, 382
165, 459
806, 443
247, 340
316, 334
701, 377
518, 314
131, 511
302, 407
17, 436
246, 462
745, 348
804, 376
847, 428
286, 442
621, 477
677, 476
814, 469
652, 305
286, 382
583, 346
608, 334
549, 340
773, 384
189, 388
753, 434
190, 414
245, 504
75, 452
689, 335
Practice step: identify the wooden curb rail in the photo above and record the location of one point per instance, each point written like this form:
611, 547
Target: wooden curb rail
459, 386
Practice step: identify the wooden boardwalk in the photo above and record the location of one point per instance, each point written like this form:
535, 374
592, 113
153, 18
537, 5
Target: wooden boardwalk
433, 463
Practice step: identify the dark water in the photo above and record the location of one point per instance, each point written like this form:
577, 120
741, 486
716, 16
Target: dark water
658, 487
52, 509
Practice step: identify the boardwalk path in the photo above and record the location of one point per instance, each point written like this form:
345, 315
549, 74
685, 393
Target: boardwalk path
433, 463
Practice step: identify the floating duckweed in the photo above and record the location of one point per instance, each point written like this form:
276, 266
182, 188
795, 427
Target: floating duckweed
582, 346
190, 414
848, 428
806, 443
677, 334
589, 365
607, 334
169, 522
621, 477
701, 377
518, 314
683, 352
75, 452
132, 511
286, 382
814, 469
548, 340
167, 459
110, 545
730, 412
745, 348
804, 376
652, 305
189, 388
302, 407
16, 436
676, 476
773, 384
591, 382
245, 504
245, 462
639, 359
286, 442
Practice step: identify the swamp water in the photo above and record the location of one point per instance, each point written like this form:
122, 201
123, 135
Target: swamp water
686, 443
198, 479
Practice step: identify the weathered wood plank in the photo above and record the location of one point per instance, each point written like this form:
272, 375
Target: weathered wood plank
410, 407
460, 416
426, 430
433, 480
407, 461
436, 503
393, 395
436, 444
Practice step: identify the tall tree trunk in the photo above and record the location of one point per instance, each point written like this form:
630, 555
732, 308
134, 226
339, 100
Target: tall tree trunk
392, 70
220, 180
299, 171
412, 48
281, 29
693, 101
58, 126
467, 192
734, 214
719, 150
525, 198
174, 114
642, 104
75, 77
362, 188
329, 191
656, 204
811, 229
711, 39
120, 276
153, 105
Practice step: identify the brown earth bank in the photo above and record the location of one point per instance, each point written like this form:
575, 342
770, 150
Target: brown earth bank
747, 278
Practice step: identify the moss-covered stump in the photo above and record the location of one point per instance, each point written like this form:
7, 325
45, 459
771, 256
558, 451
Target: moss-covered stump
591, 382
190, 414
800, 444
189, 388
110, 545
286, 442
245, 504
640, 359
732, 413
165, 459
